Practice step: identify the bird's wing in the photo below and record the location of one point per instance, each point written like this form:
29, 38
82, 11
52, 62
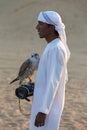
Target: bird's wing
27, 64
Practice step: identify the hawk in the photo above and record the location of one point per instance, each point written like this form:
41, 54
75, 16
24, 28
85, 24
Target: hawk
27, 68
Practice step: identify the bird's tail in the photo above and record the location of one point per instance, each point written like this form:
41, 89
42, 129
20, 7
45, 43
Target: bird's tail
14, 80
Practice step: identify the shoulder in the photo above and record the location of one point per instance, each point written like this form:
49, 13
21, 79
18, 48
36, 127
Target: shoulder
58, 51
56, 47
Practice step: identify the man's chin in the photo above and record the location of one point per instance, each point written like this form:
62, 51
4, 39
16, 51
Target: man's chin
41, 36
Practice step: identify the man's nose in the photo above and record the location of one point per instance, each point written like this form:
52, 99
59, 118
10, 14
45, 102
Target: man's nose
37, 26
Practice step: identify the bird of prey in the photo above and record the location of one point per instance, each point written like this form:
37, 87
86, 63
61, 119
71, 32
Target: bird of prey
27, 68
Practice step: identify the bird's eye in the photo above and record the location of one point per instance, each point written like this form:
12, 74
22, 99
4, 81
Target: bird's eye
35, 54
32, 56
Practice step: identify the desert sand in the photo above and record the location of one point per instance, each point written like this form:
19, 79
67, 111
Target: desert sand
19, 38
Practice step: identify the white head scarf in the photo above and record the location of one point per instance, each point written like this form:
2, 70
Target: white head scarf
53, 18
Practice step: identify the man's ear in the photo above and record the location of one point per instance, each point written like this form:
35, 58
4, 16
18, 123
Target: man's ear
51, 27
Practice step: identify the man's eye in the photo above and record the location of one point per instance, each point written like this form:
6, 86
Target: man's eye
41, 23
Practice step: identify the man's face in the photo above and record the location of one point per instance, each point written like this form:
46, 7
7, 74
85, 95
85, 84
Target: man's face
43, 29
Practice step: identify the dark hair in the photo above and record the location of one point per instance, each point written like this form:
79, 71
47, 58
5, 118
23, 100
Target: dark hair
56, 33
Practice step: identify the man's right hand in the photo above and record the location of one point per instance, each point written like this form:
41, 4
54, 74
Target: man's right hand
40, 119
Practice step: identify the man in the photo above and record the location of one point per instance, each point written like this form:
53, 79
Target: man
49, 92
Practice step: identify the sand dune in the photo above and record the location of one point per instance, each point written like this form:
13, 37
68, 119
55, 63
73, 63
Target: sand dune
18, 38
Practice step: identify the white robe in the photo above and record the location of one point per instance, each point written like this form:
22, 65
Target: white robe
49, 92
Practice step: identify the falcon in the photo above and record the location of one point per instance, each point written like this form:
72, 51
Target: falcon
27, 68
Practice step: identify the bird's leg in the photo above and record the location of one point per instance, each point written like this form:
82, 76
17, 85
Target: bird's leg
20, 82
30, 80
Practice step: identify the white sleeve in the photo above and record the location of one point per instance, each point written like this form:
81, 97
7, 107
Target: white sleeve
54, 66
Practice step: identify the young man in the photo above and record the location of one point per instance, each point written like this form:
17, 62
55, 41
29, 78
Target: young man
49, 92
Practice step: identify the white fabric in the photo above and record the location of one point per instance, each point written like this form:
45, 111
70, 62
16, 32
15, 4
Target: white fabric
53, 18
49, 92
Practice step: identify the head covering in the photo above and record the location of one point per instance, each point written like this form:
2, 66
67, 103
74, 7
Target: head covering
53, 18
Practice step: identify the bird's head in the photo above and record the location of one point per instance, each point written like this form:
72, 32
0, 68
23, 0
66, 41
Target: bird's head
35, 56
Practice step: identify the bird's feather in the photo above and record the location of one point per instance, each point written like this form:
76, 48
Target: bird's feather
27, 68
27, 64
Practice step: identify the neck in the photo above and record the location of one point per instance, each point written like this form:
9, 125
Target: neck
51, 38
